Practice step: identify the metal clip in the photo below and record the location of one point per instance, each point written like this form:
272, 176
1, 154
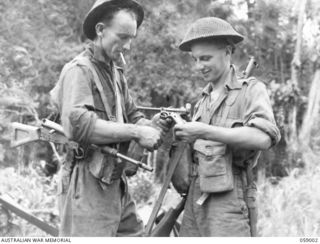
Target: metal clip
202, 198
79, 153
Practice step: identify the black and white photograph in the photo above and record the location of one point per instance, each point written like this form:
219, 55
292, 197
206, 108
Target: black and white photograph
159, 118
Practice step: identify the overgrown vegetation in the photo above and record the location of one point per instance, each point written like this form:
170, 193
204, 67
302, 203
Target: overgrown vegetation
33, 192
290, 207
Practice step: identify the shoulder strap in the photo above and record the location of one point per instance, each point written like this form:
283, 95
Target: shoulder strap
117, 87
85, 61
243, 92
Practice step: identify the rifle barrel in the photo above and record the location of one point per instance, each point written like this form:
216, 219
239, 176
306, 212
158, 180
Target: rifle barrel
252, 64
115, 153
142, 165
175, 110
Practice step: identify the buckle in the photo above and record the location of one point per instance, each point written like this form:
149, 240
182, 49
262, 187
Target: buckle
79, 153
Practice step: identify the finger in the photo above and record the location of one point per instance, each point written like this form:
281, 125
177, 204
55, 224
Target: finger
162, 131
150, 149
160, 141
155, 146
178, 126
163, 134
178, 133
164, 126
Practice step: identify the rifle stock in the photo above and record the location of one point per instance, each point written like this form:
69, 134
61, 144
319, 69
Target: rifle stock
22, 134
166, 224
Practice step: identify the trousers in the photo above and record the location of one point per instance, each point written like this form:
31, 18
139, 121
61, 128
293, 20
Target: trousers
222, 214
89, 207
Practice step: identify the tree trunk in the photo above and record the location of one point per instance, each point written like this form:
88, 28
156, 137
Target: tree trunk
295, 71
312, 112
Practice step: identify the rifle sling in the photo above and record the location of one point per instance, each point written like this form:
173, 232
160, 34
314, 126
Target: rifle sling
173, 164
98, 83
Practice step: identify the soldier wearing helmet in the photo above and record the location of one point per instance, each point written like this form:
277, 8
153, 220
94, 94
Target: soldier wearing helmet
95, 106
233, 120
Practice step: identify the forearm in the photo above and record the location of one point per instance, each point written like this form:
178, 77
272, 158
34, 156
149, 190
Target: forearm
240, 137
105, 132
144, 121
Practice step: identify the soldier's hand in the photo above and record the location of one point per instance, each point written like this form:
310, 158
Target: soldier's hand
162, 124
149, 137
189, 131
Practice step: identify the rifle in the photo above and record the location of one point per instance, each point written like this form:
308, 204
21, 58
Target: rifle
185, 110
251, 187
165, 226
53, 132
171, 114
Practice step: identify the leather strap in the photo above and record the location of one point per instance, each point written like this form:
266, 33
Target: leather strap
173, 164
85, 61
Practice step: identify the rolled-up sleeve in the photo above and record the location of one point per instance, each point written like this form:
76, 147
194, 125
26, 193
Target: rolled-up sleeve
132, 112
258, 111
75, 100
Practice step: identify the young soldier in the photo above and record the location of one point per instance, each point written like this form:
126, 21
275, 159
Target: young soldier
232, 122
96, 108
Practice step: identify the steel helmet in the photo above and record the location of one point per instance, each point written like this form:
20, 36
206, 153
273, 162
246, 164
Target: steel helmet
209, 28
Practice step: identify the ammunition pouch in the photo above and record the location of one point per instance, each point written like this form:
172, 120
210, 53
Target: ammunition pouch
104, 167
181, 178
215, 166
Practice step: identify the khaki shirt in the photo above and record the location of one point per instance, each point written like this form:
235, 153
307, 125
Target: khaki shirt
245, 102
79, 101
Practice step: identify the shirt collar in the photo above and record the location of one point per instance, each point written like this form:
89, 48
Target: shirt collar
97, 54
231, 82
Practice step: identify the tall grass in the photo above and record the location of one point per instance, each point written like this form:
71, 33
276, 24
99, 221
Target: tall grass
290, 207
